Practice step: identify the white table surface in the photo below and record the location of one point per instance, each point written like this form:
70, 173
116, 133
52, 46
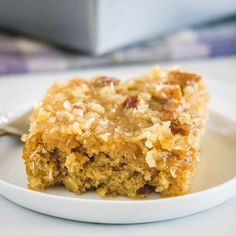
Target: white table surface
23, 90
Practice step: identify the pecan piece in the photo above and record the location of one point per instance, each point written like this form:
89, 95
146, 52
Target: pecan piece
184, 78
103, 81
178, 128
131, 102
76, 106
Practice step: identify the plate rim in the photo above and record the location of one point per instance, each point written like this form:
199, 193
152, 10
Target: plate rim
187, 196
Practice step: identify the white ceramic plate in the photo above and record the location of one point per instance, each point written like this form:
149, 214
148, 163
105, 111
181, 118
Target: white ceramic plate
214, 183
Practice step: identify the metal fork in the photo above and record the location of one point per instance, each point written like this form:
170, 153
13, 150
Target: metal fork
15, 124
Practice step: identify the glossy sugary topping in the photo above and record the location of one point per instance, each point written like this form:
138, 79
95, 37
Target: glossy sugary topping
107, 107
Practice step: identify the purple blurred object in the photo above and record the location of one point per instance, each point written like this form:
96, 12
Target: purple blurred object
22, 55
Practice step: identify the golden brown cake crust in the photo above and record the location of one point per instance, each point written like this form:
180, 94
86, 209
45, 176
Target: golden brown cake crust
118, 138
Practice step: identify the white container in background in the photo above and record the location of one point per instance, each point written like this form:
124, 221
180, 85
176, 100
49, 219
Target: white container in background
99, 26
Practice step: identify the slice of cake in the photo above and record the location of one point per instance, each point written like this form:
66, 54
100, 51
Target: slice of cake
118, 138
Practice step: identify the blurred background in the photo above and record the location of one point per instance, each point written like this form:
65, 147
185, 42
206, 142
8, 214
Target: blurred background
56, 35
